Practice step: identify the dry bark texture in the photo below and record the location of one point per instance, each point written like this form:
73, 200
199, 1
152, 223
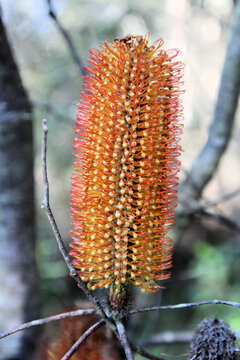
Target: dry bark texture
17, 265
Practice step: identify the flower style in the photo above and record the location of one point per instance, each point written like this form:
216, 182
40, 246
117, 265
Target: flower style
126, 149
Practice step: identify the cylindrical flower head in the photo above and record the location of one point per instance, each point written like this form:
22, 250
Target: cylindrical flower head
125, 167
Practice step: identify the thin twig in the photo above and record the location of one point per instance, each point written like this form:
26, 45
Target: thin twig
62, 248
196, 207
67, 39
189, 207
172, 337
144, 353
124, 340
82, 338
47, 320
186, 305
168, 337
224, 220
91, 311
222, 199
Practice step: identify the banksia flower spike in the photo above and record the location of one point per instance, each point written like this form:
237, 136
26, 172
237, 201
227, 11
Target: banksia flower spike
125, 167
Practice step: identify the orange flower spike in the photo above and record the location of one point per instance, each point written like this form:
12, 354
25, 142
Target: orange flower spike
125, 168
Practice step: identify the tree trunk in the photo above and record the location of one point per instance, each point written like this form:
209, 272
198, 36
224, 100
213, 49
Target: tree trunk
18, 274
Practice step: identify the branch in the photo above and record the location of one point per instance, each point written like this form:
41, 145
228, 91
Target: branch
168, 337
144, 353
62, 248
47, 320
231, 224
207, 161
124, 340
190, 207
186, 305
173, 337
92, 311
197, 207
222, 199
67, 38
82, 338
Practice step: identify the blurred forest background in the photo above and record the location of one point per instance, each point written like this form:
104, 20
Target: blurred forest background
207, 243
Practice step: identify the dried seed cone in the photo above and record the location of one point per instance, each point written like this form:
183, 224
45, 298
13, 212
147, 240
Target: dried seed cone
213, 340
125, 167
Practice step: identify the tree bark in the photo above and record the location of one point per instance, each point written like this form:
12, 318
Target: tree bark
18, 274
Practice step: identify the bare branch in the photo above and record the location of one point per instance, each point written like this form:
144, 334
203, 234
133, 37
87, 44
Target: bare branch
220, 131
67, 39
144, 353
197, 207
186, 305
229, 223
47, 209
222, 199
172, 337
124, 340
82, 338
46, 320
62, 248
168, 337
190, 207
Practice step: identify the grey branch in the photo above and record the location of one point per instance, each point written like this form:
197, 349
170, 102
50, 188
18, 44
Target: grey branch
223, 220
91, 311
222, 199
124, 340
120, 331
220, 131
62, 248
172, 337
208, 204
67, 39
144, 353
169, 337
186, 305
47, 320
82, 338
191, 207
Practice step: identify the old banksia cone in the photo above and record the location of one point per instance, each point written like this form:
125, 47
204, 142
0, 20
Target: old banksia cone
126, 150
213, 340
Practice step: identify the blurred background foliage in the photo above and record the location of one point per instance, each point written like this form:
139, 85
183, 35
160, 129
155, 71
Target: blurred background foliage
206, 257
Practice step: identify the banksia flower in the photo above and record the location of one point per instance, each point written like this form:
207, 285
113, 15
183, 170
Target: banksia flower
125, 167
